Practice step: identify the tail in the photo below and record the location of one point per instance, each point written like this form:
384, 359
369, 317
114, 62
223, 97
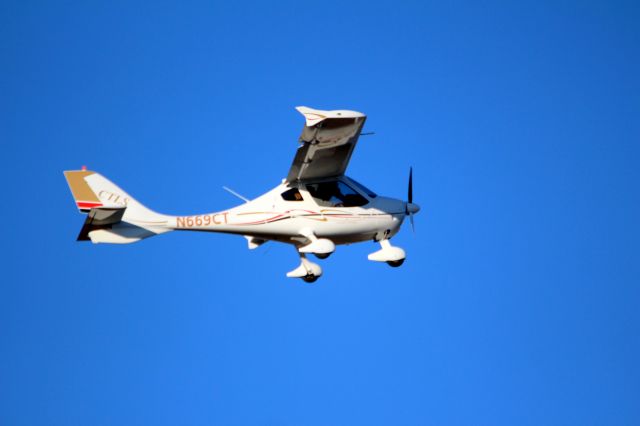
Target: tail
113, 216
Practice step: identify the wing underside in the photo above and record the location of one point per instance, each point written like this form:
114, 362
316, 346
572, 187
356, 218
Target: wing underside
326, 143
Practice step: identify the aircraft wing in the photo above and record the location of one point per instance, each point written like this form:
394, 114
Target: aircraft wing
326, 143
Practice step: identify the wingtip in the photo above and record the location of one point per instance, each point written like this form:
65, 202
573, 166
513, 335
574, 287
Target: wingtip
315, 116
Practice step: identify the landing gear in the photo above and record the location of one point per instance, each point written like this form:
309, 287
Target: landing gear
310, 278
393, 256
395, 263
307, 270
321, 247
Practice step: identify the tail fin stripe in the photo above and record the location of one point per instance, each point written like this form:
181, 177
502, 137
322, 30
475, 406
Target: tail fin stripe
87, 205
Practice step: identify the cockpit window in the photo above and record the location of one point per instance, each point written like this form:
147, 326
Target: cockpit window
335, 194
364, 189
292, 195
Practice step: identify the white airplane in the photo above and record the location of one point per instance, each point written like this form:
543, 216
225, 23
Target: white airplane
315, 208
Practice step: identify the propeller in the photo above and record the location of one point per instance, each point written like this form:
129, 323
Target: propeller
410, 191
411, 208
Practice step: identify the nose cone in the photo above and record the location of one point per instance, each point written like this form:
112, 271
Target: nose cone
413, 208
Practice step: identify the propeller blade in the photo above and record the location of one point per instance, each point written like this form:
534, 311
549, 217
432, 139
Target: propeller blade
410, 191
410, 201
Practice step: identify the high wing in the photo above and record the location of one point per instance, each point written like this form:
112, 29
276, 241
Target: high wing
326, 143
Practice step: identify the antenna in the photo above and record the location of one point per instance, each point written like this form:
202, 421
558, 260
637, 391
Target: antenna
231, 191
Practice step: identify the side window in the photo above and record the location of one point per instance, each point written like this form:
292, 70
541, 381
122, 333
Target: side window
335, 194
292, 195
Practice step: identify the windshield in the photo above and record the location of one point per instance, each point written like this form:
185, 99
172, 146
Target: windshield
364, 189
335, 194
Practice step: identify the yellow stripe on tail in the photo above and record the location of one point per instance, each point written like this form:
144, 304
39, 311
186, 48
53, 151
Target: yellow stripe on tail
83, 195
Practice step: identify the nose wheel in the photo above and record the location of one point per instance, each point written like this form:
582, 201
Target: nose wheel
395, 263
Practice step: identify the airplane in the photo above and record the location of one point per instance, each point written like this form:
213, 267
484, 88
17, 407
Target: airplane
315, 208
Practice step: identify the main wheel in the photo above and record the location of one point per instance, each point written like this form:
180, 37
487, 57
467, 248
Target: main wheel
395, 263
322, 255
310, 278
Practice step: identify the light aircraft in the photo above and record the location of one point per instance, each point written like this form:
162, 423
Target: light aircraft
315, 208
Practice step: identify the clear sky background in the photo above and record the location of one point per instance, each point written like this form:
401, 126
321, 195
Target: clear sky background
518, 302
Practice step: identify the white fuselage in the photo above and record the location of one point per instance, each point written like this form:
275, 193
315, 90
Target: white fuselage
272, 217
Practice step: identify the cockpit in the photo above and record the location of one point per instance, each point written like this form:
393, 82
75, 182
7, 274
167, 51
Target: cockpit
333, 193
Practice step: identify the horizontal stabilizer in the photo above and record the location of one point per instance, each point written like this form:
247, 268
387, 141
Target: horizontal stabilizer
100, 218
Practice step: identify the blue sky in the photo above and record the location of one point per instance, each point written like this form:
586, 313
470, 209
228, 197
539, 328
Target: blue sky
518, 303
